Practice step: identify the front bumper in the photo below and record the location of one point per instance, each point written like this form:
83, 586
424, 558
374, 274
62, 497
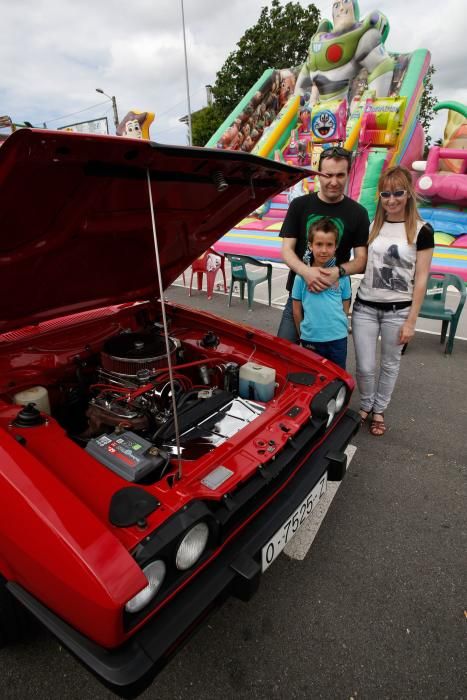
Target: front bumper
235, 571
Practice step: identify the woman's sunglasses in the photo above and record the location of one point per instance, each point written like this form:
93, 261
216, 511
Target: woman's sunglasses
397, 194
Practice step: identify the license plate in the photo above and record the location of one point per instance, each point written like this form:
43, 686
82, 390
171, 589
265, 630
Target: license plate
276, 544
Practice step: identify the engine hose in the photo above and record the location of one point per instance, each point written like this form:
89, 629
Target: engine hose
186, 397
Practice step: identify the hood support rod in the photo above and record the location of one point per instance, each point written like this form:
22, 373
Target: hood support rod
166, 329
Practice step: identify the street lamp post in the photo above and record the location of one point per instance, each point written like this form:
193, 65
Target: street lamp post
190, 134
114, 105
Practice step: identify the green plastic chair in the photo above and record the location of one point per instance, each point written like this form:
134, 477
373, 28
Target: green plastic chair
242, 272
434, 304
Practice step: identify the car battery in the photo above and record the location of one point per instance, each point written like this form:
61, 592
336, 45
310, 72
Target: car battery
127, 454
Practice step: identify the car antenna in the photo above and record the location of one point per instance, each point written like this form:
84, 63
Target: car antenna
166, 329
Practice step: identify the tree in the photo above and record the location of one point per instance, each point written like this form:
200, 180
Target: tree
427, 102
279, 39
204, 123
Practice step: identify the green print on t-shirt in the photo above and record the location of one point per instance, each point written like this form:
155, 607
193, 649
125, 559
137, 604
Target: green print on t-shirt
313, 218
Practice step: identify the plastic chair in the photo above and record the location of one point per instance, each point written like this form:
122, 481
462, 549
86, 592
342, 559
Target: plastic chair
241, 272
203, 265
434, 304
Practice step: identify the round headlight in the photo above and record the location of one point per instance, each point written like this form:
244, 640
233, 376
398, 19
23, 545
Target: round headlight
331, 409
340, 398
192, 546
155, 574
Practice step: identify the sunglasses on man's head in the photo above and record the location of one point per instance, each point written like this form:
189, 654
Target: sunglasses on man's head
335, 152
397, 194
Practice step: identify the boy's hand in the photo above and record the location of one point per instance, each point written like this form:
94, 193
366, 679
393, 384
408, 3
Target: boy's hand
319, 278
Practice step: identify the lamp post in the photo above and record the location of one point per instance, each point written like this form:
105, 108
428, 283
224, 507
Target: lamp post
114, 104
190, 137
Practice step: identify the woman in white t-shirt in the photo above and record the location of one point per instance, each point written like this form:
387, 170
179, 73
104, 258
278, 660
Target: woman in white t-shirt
400, 248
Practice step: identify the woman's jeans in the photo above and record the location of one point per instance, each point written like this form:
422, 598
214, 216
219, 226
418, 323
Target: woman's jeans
367, 324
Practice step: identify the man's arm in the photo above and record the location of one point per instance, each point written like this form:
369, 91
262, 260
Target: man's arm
352, 267
358, 263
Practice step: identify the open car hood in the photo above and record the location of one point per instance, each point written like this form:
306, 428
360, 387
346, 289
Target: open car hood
75, 216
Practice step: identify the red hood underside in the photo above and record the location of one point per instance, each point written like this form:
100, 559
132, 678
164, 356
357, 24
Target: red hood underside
75, 217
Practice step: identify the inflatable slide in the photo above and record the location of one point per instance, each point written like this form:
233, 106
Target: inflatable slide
350, 92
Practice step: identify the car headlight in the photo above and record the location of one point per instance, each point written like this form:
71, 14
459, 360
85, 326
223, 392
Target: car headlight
331, 409
340, 398
192, 546
155, 574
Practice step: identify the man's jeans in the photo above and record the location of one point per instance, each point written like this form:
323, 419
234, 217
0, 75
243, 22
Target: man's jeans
287, 327
367, 324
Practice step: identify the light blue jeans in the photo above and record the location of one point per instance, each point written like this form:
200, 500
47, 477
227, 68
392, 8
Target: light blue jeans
367, 324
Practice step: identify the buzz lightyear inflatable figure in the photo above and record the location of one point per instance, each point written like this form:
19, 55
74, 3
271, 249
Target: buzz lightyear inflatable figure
339, 51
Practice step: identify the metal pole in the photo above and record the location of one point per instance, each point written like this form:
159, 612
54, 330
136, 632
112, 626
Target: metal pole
190, 138
114, 105
166, 329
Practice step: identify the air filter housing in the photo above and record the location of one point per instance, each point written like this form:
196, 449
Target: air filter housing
129, 353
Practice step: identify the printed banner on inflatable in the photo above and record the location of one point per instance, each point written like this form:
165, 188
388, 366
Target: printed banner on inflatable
94, 126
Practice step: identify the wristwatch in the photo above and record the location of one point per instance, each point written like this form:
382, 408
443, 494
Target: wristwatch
342, 272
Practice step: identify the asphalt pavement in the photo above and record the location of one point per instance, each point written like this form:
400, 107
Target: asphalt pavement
377, 609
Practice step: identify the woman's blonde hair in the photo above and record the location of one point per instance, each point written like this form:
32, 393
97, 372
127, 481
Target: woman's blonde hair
397, 178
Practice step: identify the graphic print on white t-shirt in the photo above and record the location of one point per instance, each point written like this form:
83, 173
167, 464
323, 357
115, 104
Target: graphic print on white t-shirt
390, 270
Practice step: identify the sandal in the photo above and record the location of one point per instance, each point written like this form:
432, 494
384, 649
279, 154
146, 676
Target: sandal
377, 427
363, 416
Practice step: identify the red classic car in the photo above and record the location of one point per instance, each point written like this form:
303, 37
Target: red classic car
153, 459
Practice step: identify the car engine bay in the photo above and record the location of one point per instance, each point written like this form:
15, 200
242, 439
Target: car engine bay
119, 406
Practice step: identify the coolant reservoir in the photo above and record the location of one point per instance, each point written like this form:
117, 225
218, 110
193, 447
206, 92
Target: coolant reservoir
257, 382
37, 395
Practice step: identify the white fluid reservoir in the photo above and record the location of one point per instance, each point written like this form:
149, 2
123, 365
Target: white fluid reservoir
37, 395
257, 382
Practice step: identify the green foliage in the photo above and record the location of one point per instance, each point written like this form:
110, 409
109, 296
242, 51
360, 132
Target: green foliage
204, 123
279, 39
427, 103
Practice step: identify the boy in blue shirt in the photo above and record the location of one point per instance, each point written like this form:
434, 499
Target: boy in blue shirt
321, 318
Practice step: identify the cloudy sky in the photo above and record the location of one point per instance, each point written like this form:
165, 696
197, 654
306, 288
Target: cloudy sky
55, 53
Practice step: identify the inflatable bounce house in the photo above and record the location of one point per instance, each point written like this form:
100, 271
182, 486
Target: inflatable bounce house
351, 92
442, 184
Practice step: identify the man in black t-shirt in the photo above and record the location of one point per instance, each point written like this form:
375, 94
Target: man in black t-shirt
350, 218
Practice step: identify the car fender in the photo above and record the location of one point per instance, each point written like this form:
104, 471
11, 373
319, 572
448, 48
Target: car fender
57, 549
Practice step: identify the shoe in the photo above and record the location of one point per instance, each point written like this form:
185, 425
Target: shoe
363, 416
377, 427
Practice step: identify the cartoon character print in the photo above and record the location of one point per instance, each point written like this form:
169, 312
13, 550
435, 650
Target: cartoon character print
324, 125
135, 125
133, 129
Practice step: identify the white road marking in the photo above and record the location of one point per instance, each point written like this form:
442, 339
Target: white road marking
299, 545
276, 301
